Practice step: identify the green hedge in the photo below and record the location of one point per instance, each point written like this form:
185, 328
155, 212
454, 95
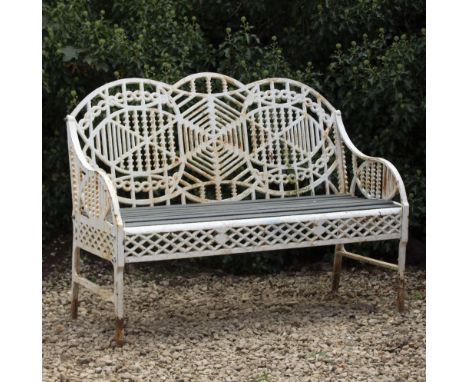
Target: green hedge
367, 57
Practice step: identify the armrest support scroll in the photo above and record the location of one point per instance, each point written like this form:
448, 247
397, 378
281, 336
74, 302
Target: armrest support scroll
375, 177
93, 193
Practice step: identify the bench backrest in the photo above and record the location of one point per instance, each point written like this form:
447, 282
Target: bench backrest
210, 137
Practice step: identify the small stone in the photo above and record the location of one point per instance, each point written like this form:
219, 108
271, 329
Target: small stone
83, 361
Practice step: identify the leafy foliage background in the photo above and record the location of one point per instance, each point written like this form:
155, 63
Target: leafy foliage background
366, 56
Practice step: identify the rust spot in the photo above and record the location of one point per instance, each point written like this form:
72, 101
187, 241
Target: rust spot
74, 308
119, 331
401, 295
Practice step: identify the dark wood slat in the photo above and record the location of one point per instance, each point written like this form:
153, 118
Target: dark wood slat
138, 211
237, 206
233, 217
156, 215
291, 200
142, 216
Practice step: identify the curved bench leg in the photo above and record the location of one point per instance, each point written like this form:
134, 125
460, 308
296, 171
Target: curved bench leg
119, 304
401, 276
75, 286
337, 263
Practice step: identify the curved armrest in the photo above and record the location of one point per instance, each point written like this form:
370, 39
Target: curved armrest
93, 193
375, 177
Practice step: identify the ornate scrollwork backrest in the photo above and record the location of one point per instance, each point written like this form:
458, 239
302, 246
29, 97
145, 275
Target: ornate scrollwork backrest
210, 137
291, 131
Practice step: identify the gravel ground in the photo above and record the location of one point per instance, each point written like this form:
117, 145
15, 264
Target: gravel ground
203, 326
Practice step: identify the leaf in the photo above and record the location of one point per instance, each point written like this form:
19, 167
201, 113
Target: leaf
102, 66
70, 53
45, 22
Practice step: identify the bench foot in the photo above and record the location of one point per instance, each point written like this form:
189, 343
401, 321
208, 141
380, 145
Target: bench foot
401, 276
401, 295
74, 307
119, 304
75, 286
119, 331
337, 263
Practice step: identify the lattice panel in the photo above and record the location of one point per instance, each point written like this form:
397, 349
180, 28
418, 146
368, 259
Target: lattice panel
93, 239
75, 177
170, 243
90, 198
88, 193
361, 227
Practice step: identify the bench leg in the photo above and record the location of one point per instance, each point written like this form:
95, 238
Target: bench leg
337, 262
75, 286
401, 276
119, 304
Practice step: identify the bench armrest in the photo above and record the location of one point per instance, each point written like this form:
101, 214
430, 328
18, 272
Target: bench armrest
93, 193
375, 177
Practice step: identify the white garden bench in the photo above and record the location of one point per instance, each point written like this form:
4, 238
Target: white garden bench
212, 166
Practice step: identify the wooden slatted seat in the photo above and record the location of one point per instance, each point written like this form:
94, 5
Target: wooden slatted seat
211, 166
257, 209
